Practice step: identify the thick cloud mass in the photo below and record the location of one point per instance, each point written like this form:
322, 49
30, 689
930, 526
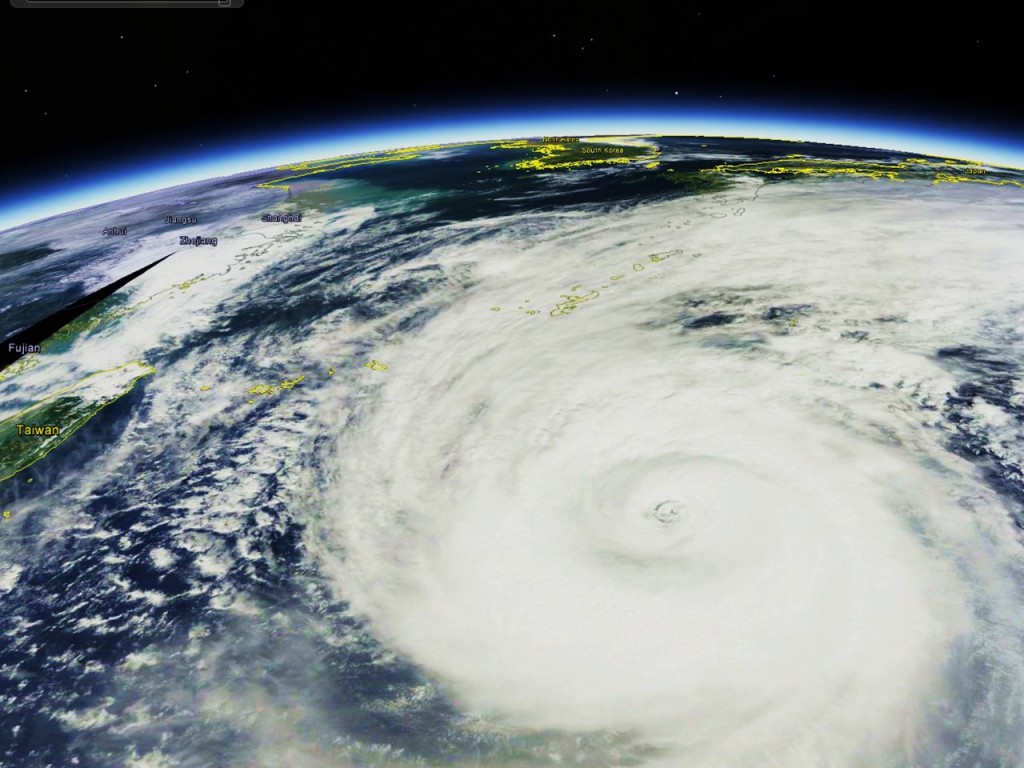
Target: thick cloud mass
714, 506
479, 466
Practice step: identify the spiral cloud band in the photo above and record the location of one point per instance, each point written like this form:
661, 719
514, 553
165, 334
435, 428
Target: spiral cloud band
683, 473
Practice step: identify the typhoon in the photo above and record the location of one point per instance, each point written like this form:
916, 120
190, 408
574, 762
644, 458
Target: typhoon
625, 451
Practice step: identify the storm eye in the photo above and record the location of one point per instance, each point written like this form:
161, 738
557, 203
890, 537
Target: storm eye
666, 512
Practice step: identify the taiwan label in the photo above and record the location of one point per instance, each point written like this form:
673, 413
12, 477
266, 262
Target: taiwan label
36, 430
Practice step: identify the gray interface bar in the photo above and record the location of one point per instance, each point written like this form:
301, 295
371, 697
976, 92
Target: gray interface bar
127, 3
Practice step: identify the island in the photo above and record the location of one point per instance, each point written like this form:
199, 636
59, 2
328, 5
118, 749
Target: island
31, 434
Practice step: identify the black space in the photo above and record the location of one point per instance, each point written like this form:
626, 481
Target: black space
82, 88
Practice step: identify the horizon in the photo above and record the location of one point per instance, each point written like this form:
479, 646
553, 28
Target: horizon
39, 202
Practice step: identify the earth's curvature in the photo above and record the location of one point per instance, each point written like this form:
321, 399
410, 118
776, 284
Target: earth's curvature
645, 451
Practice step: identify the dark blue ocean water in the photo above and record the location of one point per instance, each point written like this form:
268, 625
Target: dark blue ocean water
71, 627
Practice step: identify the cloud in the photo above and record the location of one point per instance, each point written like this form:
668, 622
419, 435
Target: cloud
732, 542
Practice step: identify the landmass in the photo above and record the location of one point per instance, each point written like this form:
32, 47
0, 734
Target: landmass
31, 434
572, 152
94, 311
573, 299
30, 340
944, 171
273, 389
313, 167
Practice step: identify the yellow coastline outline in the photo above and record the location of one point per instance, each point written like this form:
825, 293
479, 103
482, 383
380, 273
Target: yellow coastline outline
548, 157
148, 370
308, 168
549, 153
945, 171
